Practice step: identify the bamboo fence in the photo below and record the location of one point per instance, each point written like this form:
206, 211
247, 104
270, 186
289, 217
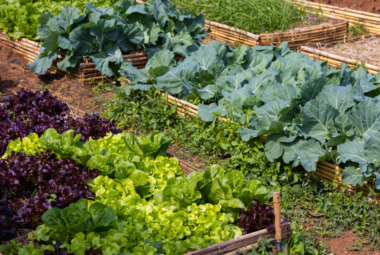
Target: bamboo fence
323, 33
296, 37
335, 60
231, 35
370, 21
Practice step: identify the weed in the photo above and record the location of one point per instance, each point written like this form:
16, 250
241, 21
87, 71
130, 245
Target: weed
357, 30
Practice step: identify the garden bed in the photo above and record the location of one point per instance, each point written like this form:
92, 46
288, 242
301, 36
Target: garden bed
360, 51
40, 144
331, 31
370, 20
87, 73
324, 170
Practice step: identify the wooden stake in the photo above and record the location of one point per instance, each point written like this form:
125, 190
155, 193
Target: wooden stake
277, 216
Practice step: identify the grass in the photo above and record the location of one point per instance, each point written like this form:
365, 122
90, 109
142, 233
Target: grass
255, 16
341, 211
357, 30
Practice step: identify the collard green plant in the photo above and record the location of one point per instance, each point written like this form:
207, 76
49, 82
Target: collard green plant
308, 112
104, 35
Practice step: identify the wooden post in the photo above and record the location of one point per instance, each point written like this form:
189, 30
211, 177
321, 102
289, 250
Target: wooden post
277, 219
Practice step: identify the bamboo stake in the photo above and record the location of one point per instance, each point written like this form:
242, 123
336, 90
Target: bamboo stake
19, 42
182, 106
337, 8
345, 11
240, 31
299, 37
351, 15
336, 63
21, 45
222, 36
336, 57
20, 48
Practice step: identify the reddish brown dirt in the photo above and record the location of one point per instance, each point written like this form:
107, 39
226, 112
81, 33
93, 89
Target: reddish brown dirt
14, 77
343, 245
360, 5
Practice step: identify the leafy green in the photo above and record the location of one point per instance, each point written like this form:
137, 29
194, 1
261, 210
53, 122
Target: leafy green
303, 107
141, 196
21, 19
104, 35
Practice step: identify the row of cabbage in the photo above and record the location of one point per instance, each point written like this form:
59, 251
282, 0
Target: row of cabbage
307, 111
97, 189
104, 35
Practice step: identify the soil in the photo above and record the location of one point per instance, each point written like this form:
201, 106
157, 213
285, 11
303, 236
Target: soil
360, 5
343, 245
365, 49
15, 75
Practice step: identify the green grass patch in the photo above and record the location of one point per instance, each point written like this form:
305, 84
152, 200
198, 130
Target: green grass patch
257, 16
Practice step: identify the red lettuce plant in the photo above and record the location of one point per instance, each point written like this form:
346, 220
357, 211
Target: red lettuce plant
28, 112
256, 217
32, 184
6, 230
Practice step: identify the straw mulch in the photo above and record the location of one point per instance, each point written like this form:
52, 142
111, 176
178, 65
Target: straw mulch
365, 49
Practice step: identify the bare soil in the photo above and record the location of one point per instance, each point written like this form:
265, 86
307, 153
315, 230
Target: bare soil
360, 5
15, 75
365, 49
343, 245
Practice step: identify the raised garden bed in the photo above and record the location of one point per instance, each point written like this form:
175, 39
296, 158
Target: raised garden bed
331, 31
325, 170
86, 73
45, 150
314, 100
371, 21
360, 51
335, 30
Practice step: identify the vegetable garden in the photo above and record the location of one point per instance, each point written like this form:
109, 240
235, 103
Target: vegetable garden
196, 137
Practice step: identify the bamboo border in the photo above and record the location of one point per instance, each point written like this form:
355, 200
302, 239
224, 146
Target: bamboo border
30, 49
335, 60
369, 20
304, 36
231, 35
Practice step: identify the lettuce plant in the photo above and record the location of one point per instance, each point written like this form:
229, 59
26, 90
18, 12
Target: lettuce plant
7, 231
256, 217
104, 35
28, 112
148, 200
20, 18
32, 184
